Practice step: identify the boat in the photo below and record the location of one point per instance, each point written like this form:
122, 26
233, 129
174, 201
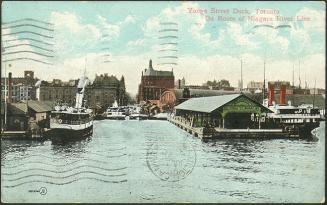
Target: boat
136, 113
160, 116
72, 122
115, 112
297, 120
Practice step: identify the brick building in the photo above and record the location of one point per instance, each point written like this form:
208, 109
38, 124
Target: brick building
19, 88
154, 83
101, 93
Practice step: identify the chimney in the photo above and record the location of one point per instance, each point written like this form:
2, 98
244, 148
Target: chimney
282, 100
271, 94
10, 88
150, 65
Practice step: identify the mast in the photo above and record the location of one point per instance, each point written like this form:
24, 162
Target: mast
264, 80
299, 76
241, 76
314, 95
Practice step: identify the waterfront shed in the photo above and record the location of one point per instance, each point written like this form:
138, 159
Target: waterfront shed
234, 111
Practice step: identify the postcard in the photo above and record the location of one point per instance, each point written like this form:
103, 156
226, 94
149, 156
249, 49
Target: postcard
163, 102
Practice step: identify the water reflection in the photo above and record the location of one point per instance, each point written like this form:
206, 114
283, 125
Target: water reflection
111, 166
70, 146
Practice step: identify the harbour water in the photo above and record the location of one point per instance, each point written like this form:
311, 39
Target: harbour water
154, 161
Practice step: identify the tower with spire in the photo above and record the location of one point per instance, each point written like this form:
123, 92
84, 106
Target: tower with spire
154, 83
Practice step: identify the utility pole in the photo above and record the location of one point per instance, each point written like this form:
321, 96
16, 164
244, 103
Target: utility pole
293, 75
5, 124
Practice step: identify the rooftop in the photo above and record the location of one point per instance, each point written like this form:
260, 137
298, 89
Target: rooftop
209, 104
151, 72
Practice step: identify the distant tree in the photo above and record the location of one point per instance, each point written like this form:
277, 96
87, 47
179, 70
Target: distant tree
223, 84
219, 84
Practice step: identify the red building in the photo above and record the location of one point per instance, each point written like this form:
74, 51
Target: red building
154, 83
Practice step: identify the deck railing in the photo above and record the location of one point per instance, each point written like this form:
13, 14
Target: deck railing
73, 122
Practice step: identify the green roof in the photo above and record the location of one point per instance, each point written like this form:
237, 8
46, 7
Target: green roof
212, 103
206, 104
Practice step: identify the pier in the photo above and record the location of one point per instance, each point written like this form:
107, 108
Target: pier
228, 116
219, 133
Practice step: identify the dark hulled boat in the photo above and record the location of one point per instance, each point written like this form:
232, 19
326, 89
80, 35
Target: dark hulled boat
68, 123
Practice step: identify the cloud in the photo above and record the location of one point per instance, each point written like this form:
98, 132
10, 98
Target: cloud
129, 19
317, 19
137, 42
71, 36
108, 30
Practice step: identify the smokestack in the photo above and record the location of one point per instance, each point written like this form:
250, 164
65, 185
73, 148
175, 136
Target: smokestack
10, 88
282, 100
37, 85
271, 95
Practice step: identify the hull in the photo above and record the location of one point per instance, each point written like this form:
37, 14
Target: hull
69, 134
138, 117
116, 117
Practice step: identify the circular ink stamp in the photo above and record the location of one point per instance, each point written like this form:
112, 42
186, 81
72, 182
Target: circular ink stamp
171, 161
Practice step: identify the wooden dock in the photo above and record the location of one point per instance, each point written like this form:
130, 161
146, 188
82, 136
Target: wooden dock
14, 134
8, 134
217, 133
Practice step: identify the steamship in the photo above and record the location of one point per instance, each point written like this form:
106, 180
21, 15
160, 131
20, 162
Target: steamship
296, 120
72, 122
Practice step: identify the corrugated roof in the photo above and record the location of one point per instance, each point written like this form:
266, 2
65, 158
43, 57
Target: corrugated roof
206, 104
17, 108
38, 106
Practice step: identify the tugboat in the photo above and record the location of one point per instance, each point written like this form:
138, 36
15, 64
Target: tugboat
72, 122
115, 112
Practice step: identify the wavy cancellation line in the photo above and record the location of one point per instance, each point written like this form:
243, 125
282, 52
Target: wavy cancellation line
164, 37
27, 25
64, 171
57, 165
64, 177
27, 19
30, 39
168, 23
64, 183
165, 30
167, 64
59, 158
32, 59
168, 57
168, 44
15, 52
27, 44
31, 32
168, 50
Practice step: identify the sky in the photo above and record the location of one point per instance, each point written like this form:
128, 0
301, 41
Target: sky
199, 40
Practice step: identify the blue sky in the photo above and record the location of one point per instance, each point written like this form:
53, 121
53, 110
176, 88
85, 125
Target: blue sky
205, 50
